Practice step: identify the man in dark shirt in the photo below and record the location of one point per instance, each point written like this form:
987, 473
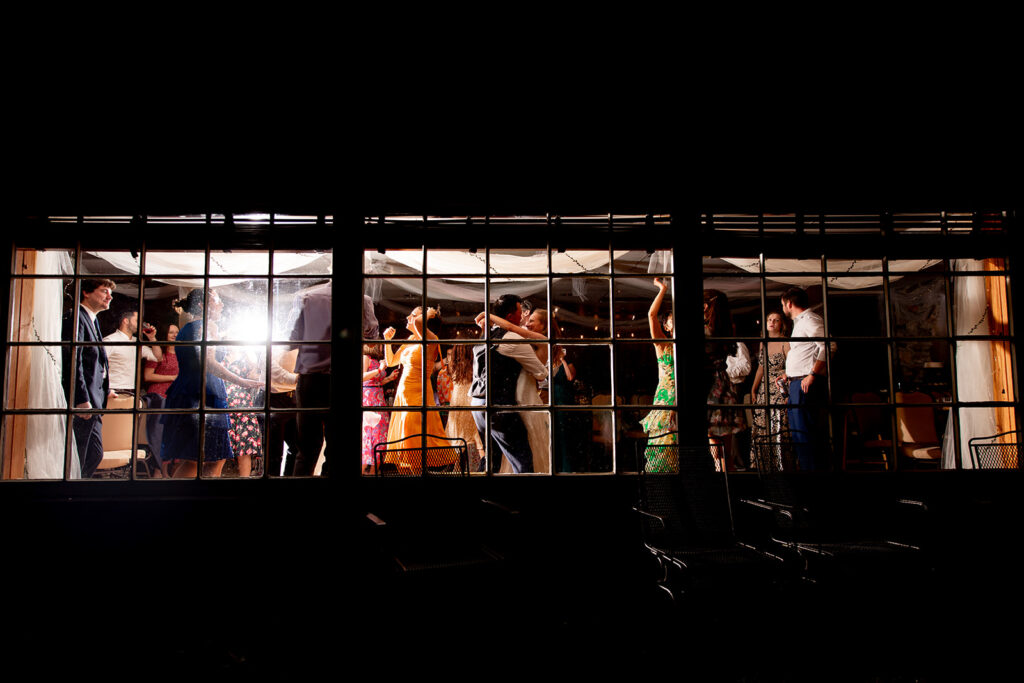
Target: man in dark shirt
313, 367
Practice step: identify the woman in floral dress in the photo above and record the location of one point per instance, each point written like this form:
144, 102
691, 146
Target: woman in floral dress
245, 432
659, 421
375, 424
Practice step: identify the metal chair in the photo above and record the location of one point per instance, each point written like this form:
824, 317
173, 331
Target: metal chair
995, 452
687, 527
391, 459
836, 533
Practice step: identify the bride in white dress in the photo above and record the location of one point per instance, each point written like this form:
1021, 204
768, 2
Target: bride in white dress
538, 424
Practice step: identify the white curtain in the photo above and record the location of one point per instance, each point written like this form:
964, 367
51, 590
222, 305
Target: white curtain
973, 365
44, 439
850, 268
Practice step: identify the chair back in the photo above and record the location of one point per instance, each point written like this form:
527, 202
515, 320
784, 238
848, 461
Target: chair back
692, 504
916, 425
996, 452
775, 452
451, 459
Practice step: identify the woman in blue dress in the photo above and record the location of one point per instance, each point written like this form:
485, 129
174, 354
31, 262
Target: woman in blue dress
181, 430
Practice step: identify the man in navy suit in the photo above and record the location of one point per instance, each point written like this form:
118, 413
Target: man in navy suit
91, 373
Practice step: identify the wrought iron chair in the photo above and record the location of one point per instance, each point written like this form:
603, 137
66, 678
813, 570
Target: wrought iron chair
995, 452
392, 458
687, 526
833, 531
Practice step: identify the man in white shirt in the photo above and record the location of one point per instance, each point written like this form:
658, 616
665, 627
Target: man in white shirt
507, 428
805, 371
123, 368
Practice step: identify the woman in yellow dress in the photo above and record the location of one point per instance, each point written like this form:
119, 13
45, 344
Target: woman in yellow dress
410, 393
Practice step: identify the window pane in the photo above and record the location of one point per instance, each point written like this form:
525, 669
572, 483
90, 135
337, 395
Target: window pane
583, 441
633, 299
924, 366
34, 446
282, 438
110, 263
866, 433
655, 262
35, 377
980, 305
246, 435
859, 367
518, 261
43, 261
580, 261
37, 308
116, 440
239, 262
743, 296
393, 262
730, 265
724, 420
851, 268
921, 428
523, 439
288, 298
248, 363
456, 261
987, 427
640, 377
784, 266
244, 313
984, 371
182, 262
393, 301
584, 377
459, 301
855, 309
217, 451
315, 262
918, 306
644, 440
583, 306
407, 435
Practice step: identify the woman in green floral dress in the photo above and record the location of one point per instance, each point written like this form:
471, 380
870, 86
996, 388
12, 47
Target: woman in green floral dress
659, 421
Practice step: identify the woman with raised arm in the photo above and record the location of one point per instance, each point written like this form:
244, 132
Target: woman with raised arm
659, 421
538, 424
413, 392
181, 430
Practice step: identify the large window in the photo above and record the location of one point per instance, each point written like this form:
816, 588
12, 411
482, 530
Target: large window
152, 363
203, 349
566, 395
918, 354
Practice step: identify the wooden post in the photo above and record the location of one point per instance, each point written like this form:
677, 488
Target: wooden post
22, 300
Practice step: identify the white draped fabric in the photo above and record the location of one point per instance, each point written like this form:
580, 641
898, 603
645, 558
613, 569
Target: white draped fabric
44, 438
842, 272
193, 262
973, 366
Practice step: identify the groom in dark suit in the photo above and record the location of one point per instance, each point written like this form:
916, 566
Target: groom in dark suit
91, 374
507, 361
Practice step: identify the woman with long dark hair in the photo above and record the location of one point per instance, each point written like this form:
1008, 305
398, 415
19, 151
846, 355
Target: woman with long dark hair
460, 422
723, 422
